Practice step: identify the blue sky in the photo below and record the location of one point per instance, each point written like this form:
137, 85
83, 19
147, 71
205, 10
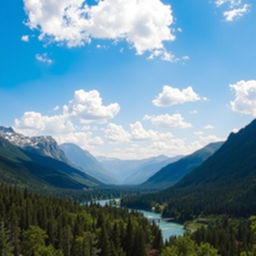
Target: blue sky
198, 44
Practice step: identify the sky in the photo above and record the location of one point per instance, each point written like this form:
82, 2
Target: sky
128, 79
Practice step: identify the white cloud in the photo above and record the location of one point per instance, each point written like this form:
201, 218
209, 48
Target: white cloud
173, 96
162, 54
68, 126
85, 139
88, 107
34, 123
44, 58
167, 120
208, 127
231, 3
25, 38
144, 24
233, 14
206, 139
62, 129
245, 97
236, 8
116, 133
138, 133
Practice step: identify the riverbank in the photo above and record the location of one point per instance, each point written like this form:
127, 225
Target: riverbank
168, 228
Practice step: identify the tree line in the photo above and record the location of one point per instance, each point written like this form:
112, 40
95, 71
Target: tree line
36, 225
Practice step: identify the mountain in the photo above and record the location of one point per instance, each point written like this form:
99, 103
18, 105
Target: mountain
133, 172
172, 173
224, 184
25, 168
149, 168
233, 164
42, 145
86, 162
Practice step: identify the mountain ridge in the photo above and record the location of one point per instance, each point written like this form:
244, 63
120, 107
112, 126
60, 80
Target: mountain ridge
173, 172
85, 161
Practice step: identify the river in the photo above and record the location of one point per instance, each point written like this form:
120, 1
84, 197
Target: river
168, 228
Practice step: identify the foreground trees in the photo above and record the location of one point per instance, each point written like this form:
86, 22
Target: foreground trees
185, 246
34, 225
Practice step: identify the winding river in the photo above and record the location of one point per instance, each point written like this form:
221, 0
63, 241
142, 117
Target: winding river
168, 228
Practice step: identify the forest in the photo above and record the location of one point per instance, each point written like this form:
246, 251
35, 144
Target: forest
35, 225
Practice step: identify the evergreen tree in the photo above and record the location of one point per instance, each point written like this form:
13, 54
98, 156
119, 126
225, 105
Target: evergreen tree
104, 242
33, 241
6, 248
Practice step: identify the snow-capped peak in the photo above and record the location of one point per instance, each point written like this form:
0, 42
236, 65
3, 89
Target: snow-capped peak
43, 145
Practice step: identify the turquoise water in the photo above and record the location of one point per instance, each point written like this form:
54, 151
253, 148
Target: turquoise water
168, 228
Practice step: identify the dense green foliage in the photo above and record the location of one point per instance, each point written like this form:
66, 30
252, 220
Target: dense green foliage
223, 184
222, 237
231, 237
174, 172
34, 225
39, 172
184, 246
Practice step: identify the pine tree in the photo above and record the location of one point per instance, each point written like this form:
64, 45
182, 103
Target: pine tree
104, 242
6, 248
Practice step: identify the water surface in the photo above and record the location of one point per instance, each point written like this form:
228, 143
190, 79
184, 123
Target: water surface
168, 229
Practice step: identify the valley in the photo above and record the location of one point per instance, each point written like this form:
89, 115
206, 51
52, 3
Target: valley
188, 197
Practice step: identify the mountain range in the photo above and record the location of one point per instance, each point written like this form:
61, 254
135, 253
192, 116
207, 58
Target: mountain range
173, 172
225, 183
64, 164
134, 172
85, 161
42, 145
38, 162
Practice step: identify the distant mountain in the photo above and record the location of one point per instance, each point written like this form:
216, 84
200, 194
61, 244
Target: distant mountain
86, 162
233, 164
29, 168
172, 173
134, 172
224, 184
42, 145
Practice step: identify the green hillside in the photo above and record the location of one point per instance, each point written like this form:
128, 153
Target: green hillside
35, 171
174, 172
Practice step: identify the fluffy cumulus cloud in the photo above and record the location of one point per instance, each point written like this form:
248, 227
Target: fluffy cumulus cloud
69, 124
116, 133
85, 121
167, 120
245, 97
236, 9
144, 24
174, 96
139, 133
34, 123
85, 139
88, 107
